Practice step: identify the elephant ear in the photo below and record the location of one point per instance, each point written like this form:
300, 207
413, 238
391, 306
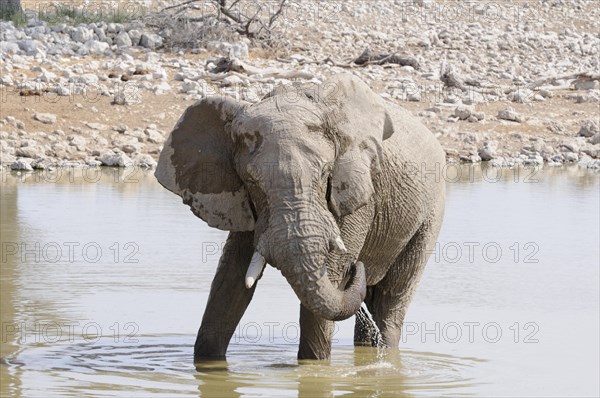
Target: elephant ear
361, 123
197, 164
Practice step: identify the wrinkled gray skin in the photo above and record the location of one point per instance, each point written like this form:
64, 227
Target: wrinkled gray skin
290, 174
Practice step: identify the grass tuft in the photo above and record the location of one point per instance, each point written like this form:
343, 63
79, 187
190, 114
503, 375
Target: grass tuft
60, 13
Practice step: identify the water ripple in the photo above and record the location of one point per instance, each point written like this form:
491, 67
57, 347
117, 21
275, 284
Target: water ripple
162, 366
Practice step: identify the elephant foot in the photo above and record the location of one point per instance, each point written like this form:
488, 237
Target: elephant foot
211, 345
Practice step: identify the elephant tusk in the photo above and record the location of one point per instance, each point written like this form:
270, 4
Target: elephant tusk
257, 264
337, 245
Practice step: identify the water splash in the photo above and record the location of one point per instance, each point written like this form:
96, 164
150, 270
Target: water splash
367, 330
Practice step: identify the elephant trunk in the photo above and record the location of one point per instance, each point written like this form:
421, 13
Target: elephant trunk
326, 301
300, 252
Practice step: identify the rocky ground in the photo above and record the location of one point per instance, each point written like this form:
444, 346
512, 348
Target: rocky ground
505, 82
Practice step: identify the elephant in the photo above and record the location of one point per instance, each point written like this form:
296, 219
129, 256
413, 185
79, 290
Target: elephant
318, 181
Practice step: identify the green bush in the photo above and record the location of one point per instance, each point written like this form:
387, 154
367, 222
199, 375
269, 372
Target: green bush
17, 16
72, 15
57, 13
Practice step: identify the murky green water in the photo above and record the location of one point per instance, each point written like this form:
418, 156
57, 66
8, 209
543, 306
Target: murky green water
104, 279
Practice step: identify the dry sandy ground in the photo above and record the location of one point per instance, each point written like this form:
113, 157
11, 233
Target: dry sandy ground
548, 124
461, 137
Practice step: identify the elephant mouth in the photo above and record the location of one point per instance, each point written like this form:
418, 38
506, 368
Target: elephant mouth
306, 272
258, 261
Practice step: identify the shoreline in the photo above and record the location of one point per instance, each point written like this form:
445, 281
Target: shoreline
451, 172
519, 91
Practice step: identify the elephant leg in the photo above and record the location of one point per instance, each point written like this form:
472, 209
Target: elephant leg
392, 295
315, 336
228, 298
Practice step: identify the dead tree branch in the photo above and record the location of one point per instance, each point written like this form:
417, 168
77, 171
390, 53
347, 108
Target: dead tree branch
254, 25
370, 58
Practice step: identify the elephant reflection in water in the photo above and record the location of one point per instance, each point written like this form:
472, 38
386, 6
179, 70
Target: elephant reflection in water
319, 182
362, 378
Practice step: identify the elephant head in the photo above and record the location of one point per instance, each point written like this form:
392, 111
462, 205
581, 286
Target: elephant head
289, 168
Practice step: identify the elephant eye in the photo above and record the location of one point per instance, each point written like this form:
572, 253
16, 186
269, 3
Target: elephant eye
253, 209
328, 192
251, 177
250, 181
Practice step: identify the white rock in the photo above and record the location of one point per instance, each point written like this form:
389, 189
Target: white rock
471, 159
502, 162
82, 34
161, 88
96, 126
187, 74
22, 165
135, 36
112, 28
116, 159
47, 76
587, 98
6, 80
88, 78
128, 148
239, 50
30, 150
414, 97
585, 84
96, 47
93, 162
522, 95
188, 86
478, 115
593, 164
232, 80
78, 142
46, 118
462, 112
7, 47
154, 136
533, 158
145, 161
588, 129
569, 145
151, 40
41, 164
488, 151
10, 120
160, 74
571, 157
510, 114
473, 97
120, 128
31, 47
127, 97
123, 40
63, 91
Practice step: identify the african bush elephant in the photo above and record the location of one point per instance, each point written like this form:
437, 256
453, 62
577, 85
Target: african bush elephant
315, 181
